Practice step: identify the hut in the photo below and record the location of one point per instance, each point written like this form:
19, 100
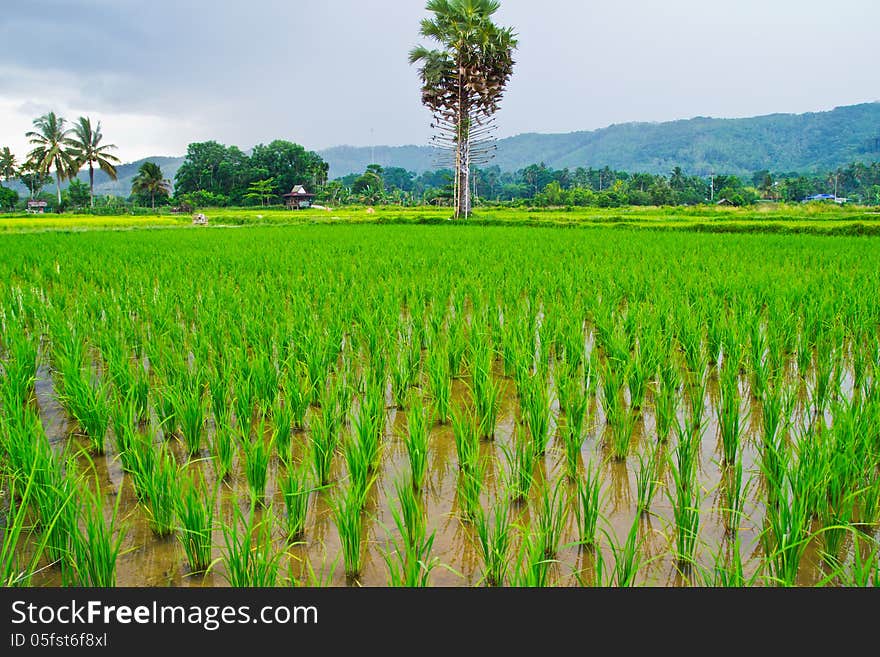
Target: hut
37, 207
298, 198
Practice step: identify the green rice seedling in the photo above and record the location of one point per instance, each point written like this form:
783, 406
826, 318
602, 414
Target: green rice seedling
588, 505
487, 395
244, 400
358, 457
165, 409
734, 495
56, 500
869, 502
369, 425
265, 382
323, 439
346, 505
470, 484
90, 407
728, 411
776, 410
573, 438
535, 403
159, 487
195, 520
439, 383
409, 516
646, 479
218, 393
96, 545
141, 458
787, 518
410, 562
804, 354
282, 421
667, 400
467, 439
612, 391
190, 411
864, 569
123, 417
257, 453
15, 528
494, 541
696, 394
727, 570
249, 556
521, 460
636, 381
298, 394
401, 376
622, 429
296, 488
416, 440
551, 515
685, 497
628, 559
223, 451
532, 569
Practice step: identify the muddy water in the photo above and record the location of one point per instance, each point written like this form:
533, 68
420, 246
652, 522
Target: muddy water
147, 560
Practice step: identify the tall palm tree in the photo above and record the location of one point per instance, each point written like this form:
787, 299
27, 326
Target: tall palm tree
8, 167
149, 180
50, 142
463, 81
86, 148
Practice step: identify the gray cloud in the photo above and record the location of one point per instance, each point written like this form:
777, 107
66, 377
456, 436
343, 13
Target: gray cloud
335, 72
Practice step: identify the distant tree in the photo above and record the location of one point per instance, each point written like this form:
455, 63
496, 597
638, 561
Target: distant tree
398, 178
32, 178
8, 166
289, 164
78, 194
150, 182
262, 190
86, 148
50, 149
371, 178
8, 198
464, 79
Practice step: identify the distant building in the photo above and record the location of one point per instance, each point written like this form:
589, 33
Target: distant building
298, 198
37, 207
826, 197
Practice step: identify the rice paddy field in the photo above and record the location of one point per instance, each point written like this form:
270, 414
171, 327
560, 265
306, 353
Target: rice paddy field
439, 405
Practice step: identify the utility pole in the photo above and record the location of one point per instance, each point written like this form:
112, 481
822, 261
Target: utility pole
712, 186
372, 147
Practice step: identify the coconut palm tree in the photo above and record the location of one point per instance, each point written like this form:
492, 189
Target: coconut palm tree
86, 148
50, 149
8, 167
463, 81
149, 180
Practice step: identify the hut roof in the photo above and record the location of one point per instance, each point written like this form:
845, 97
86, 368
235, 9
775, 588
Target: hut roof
298, 191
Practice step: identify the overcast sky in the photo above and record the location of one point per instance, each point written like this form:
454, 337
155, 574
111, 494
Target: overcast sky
159, 74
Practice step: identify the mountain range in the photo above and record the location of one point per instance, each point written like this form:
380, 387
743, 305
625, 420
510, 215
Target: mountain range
783, 143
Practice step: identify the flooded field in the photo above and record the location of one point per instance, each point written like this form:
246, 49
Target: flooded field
441, 406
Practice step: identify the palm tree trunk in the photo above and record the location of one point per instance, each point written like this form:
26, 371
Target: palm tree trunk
58, 187
153, 199
91, 186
